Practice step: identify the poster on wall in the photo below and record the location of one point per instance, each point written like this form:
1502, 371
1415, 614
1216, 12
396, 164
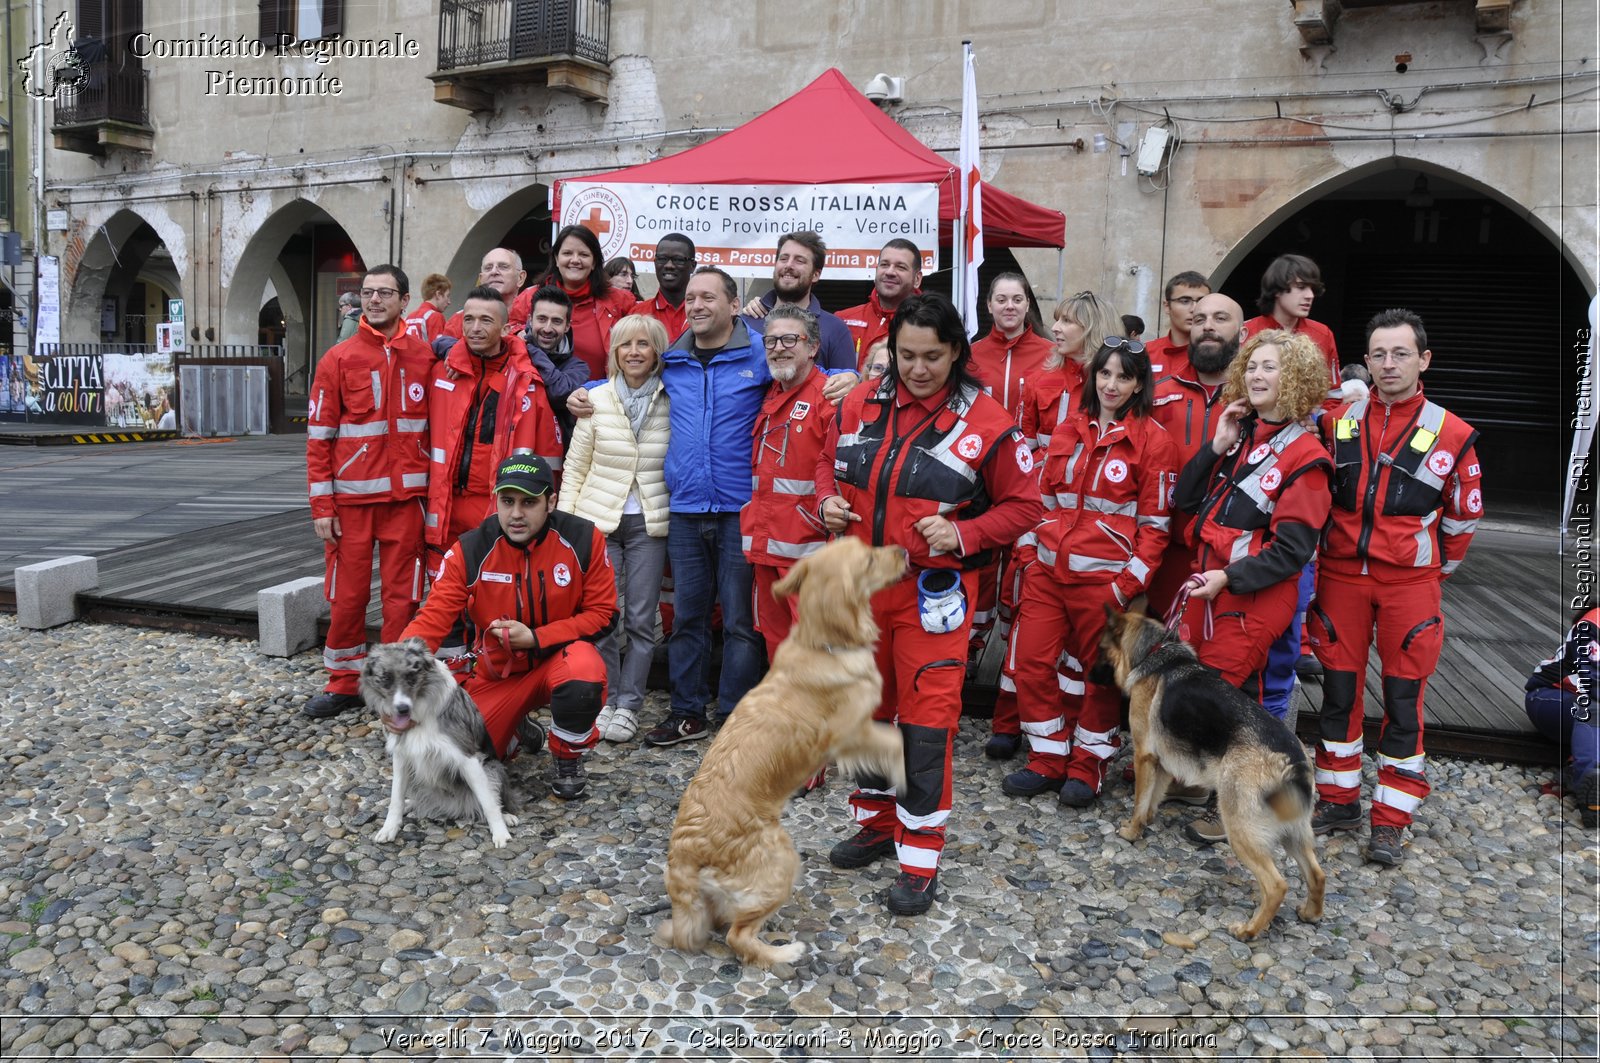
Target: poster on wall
71, 389
736, 227
48, 321
138, 389
7, 404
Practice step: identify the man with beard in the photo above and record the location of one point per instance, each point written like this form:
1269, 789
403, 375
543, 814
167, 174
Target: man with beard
777, 525
501, 270
899, 274
1186, 406
795, 272
674, 262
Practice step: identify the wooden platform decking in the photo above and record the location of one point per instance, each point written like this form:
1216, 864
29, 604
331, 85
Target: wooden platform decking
1503, 613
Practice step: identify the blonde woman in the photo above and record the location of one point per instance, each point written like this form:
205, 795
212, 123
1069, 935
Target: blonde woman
614, 477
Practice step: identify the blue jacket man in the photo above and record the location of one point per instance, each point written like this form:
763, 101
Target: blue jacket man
715, 401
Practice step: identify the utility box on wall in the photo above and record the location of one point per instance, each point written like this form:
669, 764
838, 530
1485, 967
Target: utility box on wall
223, 400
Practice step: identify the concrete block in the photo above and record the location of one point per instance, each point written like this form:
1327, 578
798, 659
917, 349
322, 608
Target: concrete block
287, 615
47, 593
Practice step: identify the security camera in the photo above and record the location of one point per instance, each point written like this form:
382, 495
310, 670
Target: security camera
885, 89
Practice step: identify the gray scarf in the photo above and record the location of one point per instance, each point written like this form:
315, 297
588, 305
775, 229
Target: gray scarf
637, 402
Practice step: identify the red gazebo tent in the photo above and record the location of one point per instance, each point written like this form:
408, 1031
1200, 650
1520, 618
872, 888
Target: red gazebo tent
848, 140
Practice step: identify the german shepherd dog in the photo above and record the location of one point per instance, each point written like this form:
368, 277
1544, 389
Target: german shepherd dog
1189, 722
730, 864
443, 761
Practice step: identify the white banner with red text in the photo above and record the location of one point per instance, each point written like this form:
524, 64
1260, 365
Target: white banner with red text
736, 227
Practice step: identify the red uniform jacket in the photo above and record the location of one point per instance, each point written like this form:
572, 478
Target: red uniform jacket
1106, 499
1050, 398
426, 323
591, 322
1188, 410
1005, 366
367, 421
779, 524
560, 584
897, 459
1407, 489
1168, 358
868, 323
1261, 506
672, 318
482, 414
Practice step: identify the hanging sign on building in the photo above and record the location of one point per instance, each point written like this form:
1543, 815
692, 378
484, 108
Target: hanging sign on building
736, 227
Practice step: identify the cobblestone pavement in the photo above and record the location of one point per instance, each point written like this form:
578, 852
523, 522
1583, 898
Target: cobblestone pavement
187, 869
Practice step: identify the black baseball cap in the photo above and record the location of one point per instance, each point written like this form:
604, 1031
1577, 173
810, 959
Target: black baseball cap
524, 473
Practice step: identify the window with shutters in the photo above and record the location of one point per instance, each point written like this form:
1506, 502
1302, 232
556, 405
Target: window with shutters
107, 106
282, 22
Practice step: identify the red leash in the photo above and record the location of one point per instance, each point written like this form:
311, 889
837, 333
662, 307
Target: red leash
1181, 603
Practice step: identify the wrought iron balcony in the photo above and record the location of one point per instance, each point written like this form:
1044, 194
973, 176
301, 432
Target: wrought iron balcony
565, 44
102, 106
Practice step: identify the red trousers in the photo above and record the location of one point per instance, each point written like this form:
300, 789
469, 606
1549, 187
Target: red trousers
773, 618
466, 513
922, 678
1006, 721
1410, 632
572, 681
1071, 724
983, 605
1243, 629
396, 529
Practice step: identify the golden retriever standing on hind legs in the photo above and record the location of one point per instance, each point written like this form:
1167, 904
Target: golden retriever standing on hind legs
730, 864
1189, 722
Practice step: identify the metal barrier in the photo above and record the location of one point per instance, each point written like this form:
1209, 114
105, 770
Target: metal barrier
223, 400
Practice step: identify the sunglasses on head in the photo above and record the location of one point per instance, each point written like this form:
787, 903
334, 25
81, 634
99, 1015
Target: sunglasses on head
1122, 343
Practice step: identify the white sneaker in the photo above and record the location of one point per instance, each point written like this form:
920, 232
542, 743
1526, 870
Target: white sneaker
602, 721
621, 727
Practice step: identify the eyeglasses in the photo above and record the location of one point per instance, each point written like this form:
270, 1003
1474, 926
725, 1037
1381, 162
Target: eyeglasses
877, 369
788, 340
1184, 300
1397, 357
1120, 343
673, 260
379, 293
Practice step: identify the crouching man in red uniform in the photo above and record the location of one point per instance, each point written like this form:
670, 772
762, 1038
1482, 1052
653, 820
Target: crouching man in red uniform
1406, 499
926, 461
537, 590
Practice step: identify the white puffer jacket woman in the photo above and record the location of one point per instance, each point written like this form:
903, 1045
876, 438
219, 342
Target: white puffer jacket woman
615, 477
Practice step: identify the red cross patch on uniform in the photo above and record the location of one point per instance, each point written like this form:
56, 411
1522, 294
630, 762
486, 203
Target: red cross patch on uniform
563, 575
1116, 470
1271, 479
414, 390
1024, 458
1593, 650
1258, 455
1440, 463
527, 403
1474, 501
970, 446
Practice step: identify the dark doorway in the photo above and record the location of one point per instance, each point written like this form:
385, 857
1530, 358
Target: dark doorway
1502, 307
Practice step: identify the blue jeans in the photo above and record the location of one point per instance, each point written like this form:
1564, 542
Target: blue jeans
1550, 711
1277, 676
708, 565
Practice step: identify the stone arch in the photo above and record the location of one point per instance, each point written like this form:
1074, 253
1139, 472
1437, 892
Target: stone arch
283, 248
1270, 223
520, 220
128, 250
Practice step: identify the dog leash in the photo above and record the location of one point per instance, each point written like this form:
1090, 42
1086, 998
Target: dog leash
1181, 602
479, 653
